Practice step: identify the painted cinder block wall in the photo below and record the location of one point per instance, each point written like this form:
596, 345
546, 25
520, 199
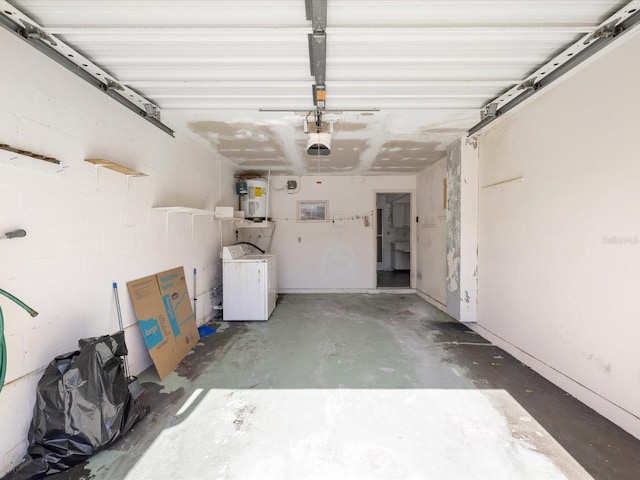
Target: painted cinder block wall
83, 234
431, 267
335, 255
559, 245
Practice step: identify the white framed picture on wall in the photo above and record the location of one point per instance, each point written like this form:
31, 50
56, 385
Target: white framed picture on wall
313, 211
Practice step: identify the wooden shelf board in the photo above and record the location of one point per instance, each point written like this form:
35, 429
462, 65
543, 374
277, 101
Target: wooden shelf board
98, 162
26, 153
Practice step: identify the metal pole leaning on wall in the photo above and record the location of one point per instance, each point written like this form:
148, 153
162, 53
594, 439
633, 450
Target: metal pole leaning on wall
195, 296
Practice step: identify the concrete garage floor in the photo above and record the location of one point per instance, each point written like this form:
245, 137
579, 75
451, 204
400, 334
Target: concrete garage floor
393, 279
360, 386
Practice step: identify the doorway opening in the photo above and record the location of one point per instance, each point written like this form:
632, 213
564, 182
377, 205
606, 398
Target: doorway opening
393, 240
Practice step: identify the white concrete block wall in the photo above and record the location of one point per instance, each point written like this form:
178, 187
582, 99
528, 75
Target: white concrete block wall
431, 269
329, 256
462, 230
559, 245
83, 234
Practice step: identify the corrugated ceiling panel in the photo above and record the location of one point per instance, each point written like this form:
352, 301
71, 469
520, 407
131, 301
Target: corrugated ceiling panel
345, 43
188, 13
399, 13
253, 40
428, 65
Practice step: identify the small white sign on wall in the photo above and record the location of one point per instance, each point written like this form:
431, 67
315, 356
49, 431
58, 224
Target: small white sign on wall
313, 211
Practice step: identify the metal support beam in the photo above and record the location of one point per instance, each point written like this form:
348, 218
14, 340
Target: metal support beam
601, 39
35, 37
318, 56
317, 13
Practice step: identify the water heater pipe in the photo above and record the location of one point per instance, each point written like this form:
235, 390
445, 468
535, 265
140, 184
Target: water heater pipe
195, 296
268, 195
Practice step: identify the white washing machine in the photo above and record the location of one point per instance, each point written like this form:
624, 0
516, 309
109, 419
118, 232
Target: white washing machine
250, 283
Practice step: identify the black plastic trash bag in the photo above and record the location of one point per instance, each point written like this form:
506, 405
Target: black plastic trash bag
83, 404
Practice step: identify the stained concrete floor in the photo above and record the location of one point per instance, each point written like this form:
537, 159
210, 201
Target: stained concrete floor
360, 386
393, 279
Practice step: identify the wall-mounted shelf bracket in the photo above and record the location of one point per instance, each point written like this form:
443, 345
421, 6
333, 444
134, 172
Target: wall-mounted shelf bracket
194, 212
99, 163
251, 224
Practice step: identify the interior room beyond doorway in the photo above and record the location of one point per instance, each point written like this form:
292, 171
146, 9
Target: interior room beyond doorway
393, 240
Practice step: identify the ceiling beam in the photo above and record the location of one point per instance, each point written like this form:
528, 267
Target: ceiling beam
318, 56
317, 13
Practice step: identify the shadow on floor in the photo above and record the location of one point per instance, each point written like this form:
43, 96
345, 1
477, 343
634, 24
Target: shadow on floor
362, 343
393, 279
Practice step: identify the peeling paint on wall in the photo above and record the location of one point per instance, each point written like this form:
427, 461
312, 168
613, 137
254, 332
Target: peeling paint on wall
466, 298
454, 156
453, 272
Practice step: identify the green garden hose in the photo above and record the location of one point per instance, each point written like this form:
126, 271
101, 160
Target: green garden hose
3, 345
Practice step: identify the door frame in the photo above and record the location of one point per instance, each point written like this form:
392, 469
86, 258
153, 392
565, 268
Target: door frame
412, 232
380, 264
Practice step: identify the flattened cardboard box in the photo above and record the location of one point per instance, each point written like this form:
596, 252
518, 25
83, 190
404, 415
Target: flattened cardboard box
163, 309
